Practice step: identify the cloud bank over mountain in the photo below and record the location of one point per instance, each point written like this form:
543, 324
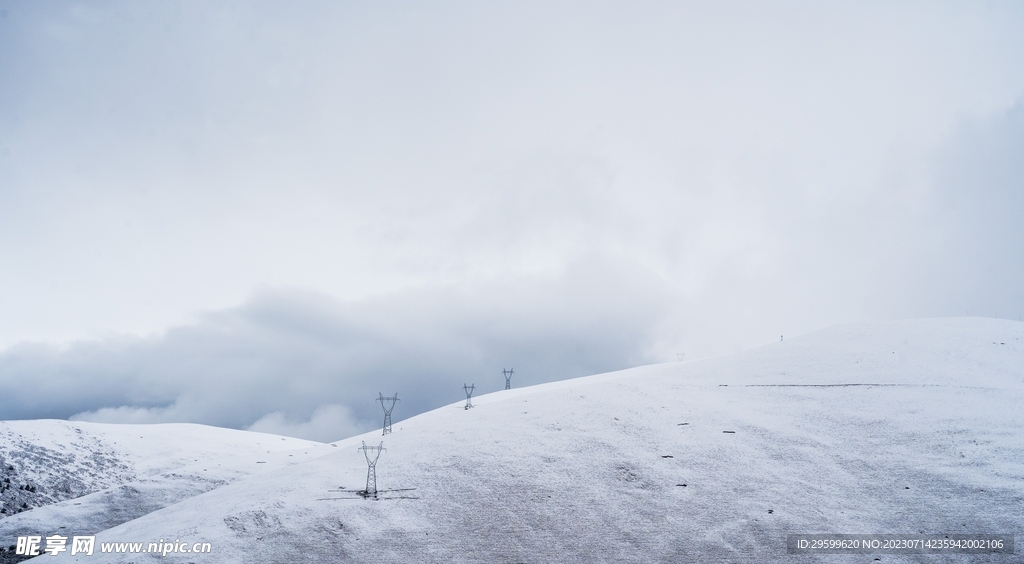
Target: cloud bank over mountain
307, 365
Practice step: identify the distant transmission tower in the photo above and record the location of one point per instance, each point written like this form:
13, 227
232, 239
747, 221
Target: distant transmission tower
388, 404
508, 377
371, 468
469, 394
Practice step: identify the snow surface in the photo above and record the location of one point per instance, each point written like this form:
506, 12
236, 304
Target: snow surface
93, 476
902, 427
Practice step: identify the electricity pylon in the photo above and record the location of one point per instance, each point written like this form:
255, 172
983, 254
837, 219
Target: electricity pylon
387, 404
508, 377
371, 468
469, 394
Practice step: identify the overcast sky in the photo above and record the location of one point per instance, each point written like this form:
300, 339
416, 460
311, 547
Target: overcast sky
260, 215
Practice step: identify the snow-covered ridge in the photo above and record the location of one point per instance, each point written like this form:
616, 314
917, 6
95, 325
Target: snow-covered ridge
54, 460
898, 427
91, 476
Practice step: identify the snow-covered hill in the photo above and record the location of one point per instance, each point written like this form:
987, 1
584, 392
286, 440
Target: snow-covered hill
900, 427
78, 476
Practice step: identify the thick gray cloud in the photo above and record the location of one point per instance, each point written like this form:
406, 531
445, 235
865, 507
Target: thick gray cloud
306, 364
751, 169
980, 206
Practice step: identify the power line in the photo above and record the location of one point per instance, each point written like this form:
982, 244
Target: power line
508, 377
469, 394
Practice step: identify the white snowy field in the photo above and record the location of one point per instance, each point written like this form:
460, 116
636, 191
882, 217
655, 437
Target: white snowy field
903, 427
77, 476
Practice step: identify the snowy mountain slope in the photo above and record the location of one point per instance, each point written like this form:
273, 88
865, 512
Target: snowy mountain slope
90, 477
874, 428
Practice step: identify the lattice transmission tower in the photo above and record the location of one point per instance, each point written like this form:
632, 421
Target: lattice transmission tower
371, 468
469, 394
388, 404
508, 377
